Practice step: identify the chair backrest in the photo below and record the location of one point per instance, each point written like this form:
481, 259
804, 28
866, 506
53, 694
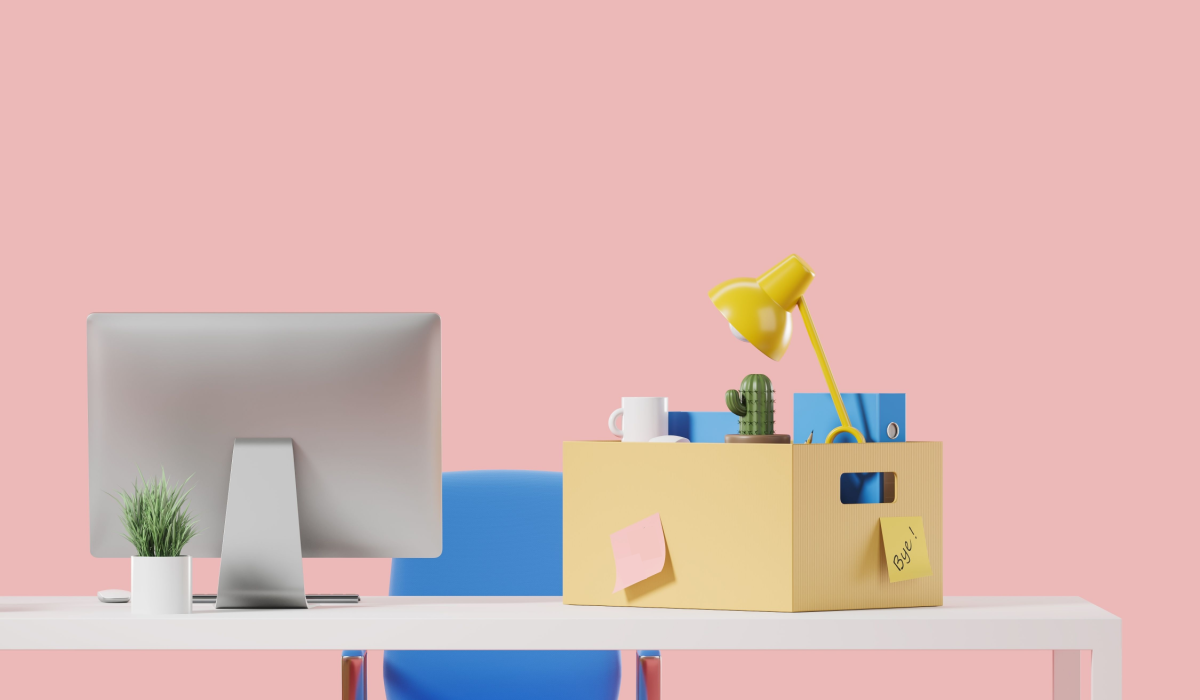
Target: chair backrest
501, 535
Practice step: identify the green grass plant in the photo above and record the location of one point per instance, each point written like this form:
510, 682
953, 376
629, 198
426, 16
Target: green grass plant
156, 517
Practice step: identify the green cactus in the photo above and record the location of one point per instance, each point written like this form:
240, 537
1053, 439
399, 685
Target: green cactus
754, 405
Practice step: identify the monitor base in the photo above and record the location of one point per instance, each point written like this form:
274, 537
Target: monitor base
261, 564
312, 598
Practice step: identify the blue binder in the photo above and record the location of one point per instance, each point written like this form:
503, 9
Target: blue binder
702, 426
870, 413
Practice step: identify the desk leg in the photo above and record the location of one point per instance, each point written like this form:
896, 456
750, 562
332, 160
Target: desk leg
649, 675
354, 675
1106, 671
1066, 674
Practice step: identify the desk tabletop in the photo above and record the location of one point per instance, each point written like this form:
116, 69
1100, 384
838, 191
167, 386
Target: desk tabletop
545, 623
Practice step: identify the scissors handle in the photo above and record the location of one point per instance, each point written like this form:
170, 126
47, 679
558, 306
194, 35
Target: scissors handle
844, 429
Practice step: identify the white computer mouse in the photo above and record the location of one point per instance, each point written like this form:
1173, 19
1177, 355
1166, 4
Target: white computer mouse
113, 595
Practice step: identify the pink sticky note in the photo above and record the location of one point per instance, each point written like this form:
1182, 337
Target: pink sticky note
639, 550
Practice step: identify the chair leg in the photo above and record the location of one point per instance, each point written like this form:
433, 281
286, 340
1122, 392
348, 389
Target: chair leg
649, 675
354, 675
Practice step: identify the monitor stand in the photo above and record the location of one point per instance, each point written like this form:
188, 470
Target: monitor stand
261, 564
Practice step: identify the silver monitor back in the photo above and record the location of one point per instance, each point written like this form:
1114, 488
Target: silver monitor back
358, 394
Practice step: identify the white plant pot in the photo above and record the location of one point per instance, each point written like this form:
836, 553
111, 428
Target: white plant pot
161, 585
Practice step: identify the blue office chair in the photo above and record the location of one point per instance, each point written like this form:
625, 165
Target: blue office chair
501, 535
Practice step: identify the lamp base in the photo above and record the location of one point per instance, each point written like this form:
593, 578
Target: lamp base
760, 439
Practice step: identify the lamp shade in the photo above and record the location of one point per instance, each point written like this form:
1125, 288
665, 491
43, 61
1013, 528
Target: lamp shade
758, 308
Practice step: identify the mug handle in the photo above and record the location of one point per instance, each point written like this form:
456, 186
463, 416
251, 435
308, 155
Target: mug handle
612, 423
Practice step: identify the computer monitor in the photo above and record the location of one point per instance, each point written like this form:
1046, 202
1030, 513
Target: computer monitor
304, 434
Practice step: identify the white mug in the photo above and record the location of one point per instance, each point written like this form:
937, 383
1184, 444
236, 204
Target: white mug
645, 418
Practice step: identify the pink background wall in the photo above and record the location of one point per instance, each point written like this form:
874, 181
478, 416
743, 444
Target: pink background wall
1000, 204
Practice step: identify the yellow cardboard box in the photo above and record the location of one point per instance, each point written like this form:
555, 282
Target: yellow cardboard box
748, 527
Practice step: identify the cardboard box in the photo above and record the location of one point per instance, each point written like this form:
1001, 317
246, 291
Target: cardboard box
748, 527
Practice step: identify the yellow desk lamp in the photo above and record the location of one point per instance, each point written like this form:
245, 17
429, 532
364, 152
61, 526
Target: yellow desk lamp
757, 311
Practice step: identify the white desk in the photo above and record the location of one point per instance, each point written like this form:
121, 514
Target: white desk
1062, 624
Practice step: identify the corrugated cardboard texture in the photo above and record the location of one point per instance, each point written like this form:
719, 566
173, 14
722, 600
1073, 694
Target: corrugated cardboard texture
748, 527
726, 514
838, 559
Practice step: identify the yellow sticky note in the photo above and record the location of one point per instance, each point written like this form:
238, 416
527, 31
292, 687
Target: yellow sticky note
904, 547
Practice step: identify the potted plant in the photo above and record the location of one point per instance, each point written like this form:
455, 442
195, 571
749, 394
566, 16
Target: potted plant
158, 524
754, 405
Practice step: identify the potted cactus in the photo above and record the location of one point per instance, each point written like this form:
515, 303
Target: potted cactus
754, 405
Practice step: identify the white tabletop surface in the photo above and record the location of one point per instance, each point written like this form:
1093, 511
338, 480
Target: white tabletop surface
545, 623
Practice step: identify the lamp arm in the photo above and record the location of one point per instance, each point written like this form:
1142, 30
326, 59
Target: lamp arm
833, 390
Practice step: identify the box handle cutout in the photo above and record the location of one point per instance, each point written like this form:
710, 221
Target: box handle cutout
868, 487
